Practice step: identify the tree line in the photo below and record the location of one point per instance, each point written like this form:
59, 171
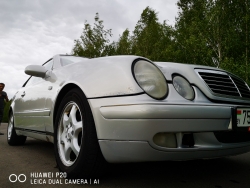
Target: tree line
206, 32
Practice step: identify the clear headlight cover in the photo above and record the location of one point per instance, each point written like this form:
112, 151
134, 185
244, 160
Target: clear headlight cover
183, 87
150, 79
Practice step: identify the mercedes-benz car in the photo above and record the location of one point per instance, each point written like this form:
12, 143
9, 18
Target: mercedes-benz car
123, 109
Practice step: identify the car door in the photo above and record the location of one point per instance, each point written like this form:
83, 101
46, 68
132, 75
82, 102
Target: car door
29, 109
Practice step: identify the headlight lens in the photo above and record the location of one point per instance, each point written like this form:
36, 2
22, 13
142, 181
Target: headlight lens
150, 79
183, 87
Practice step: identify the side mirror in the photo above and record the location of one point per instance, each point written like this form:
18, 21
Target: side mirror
36, 70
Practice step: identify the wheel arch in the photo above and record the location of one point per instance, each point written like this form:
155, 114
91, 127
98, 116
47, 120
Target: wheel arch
60, 96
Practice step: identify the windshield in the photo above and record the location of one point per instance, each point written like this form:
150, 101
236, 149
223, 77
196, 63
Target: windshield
66, 60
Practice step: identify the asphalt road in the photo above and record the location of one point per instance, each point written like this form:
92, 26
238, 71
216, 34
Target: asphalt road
38, 157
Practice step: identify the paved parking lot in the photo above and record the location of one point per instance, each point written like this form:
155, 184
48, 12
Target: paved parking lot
38, 157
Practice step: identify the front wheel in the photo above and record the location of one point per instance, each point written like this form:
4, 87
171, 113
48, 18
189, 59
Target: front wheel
77, 149
12, 138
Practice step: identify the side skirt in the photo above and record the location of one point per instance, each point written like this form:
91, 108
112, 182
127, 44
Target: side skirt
40, 135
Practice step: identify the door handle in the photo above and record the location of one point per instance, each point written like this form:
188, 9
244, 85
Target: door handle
23, 94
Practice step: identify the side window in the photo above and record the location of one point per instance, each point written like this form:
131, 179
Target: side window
33, 80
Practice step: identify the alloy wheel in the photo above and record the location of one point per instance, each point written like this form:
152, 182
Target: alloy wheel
69, 134
10, 127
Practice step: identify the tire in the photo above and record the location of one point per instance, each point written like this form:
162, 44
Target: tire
77, 150
12, 138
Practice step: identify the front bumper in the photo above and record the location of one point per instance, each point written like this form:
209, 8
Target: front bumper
126, 127
136, 151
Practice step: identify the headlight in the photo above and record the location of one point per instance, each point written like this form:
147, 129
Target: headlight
183, 87
150, 79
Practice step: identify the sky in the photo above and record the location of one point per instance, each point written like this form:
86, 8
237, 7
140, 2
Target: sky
33, 31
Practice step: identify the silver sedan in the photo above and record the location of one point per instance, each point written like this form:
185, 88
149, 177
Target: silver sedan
129, 109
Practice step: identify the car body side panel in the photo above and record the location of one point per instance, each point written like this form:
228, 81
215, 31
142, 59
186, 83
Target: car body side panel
53, 85
29, 107
33, 111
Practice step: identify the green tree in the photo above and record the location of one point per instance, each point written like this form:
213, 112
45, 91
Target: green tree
190, 34
204, 30
123, 46
214, 28
94, 42
151, 38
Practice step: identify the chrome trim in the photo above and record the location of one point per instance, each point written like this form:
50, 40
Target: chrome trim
33, 113
151, 111
235, 85
230, 76
230, 126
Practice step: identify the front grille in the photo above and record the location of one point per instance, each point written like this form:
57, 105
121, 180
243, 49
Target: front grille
225, 84
243, 89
